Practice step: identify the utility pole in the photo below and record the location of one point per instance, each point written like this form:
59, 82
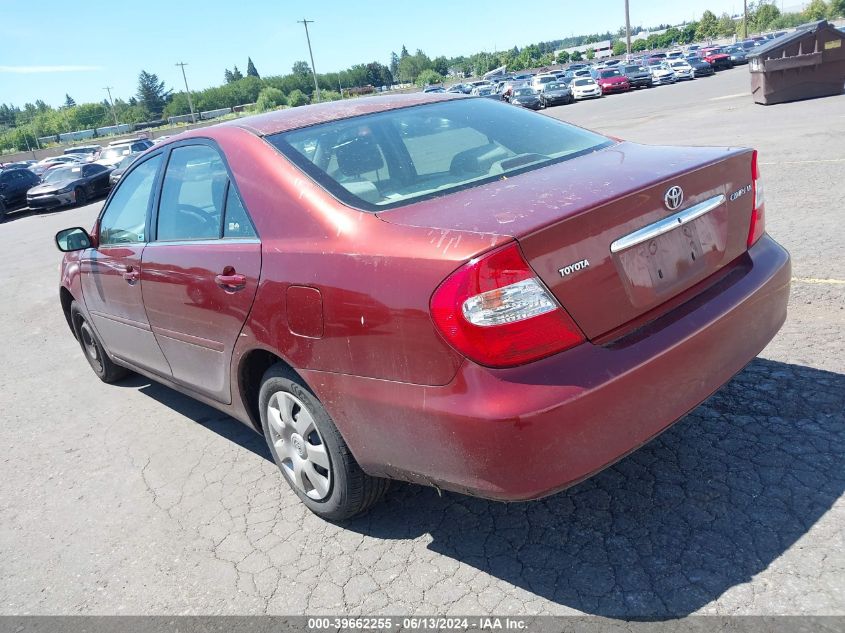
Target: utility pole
627, 28
188, 92
111, 103
745, 20
305, 23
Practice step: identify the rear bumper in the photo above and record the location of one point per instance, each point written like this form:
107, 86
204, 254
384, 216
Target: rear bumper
529, 431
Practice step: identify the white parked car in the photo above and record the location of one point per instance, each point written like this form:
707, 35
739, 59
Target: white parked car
538, 81
682, 69
585, 88
661, 74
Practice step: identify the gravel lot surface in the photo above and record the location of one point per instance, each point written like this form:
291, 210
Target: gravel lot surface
133, 499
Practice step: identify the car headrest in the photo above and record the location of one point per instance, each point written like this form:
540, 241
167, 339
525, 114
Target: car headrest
358, 156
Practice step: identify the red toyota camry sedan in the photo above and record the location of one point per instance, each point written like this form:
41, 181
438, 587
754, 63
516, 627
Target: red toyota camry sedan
438, 289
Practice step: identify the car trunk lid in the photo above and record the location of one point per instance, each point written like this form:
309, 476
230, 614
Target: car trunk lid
588, 227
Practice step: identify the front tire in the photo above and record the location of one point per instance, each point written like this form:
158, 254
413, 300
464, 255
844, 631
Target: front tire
310, 451
103, 366
81, 196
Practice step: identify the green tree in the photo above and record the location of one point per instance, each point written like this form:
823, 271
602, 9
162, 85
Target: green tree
270, 98
441, 65
237, 75
69, 102
301, 69
816, 10
725, 26
404, 53
639, 46
590, 54
619, 47
429, 77
576, 57
708, 26
297, 98
837, 9
228, 77
250, 68
563, 57
394, 64
765, 15
151, 93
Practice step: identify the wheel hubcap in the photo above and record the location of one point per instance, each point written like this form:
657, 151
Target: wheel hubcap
89, 345
299, 445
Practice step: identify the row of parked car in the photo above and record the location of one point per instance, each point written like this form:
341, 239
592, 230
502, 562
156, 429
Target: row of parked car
78, 175
593, 80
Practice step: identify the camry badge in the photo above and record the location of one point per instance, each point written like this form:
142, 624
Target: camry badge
574, 268
674, 198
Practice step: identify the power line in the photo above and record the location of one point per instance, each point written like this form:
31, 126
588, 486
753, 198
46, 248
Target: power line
188, 92
305, 23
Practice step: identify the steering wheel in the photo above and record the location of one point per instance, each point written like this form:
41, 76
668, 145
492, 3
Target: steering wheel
195, 212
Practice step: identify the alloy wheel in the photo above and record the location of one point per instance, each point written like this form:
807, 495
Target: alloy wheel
90, 346
299, 446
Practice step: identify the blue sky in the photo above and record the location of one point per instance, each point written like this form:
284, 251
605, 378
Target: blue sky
52, 47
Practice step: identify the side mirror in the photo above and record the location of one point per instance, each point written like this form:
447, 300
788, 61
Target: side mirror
74, 239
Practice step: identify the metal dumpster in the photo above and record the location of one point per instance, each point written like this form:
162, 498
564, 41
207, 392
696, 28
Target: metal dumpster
807, 63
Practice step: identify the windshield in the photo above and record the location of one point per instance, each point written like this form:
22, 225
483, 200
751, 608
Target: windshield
63, 173
523, 92
115, 152
605, 74
555, 86
389, 159
633, 69
583, 82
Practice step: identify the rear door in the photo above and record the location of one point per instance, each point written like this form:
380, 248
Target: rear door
111, 273
200, 273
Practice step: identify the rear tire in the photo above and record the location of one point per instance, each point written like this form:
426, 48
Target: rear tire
103, 366
2, 212
310, 451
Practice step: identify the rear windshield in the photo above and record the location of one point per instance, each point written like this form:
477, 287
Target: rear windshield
385, 160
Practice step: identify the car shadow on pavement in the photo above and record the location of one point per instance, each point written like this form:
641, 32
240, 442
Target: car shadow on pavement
667, 530
662, 533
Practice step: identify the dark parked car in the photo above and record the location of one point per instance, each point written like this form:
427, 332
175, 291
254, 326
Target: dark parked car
14, 183
424, 287
700, 68
737, 54
71, 184
555, 93
526, 98
638, 76
88, 152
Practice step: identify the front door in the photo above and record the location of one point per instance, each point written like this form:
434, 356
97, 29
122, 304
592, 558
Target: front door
111, 273
200, 273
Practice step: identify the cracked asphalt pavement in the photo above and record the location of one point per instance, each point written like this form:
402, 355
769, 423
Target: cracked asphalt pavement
134, 499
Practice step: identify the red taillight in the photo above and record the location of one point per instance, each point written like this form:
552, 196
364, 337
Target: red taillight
758, 213
496, 312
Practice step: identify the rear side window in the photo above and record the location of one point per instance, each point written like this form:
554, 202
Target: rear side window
237, 223
192, 195
125, 218
381, 161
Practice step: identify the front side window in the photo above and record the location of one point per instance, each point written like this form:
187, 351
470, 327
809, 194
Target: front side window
192, 195
125, 218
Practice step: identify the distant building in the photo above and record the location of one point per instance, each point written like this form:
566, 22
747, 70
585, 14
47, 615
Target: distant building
602, 49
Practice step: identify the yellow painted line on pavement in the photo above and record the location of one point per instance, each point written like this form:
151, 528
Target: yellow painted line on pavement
813, 280
806, 162
737, 95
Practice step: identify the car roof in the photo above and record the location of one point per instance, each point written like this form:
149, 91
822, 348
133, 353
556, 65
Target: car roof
293, 118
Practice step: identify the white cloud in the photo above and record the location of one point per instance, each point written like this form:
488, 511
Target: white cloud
28, 70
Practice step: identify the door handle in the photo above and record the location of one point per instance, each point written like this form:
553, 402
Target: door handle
233, 281
131, 275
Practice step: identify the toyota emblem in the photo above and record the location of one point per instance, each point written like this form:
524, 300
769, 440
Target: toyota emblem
674, 198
